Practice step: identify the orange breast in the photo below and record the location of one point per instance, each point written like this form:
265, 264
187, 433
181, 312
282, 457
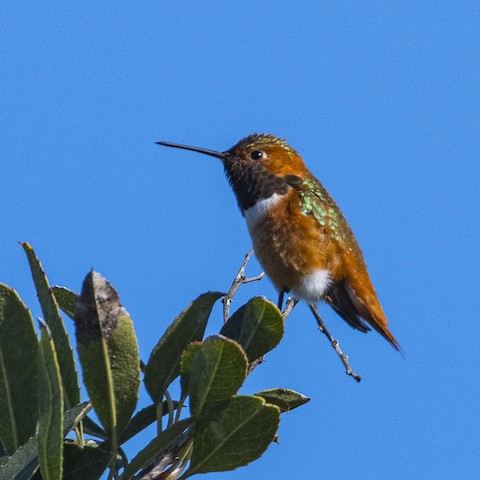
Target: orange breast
290, 245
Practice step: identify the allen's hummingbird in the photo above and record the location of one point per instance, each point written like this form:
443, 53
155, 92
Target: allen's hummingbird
300, 236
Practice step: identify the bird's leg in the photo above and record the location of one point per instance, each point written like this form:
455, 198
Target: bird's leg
280, 299
333, 342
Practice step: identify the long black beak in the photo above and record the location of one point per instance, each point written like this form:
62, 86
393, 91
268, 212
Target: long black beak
212, 153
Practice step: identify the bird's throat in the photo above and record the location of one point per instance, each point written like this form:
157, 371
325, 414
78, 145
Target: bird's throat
257, 212
253, 183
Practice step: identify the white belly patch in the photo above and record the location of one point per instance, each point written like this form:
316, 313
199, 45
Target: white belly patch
312, 287
258, 211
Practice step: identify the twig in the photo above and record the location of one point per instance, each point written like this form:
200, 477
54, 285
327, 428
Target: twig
239, 280
252, 366
157, 466
334, 343
291, 302
155, 470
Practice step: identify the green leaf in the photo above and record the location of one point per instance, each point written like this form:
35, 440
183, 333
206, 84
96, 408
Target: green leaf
18, 372
75, 415
108, 351
142, 419
92, 428
84, 463
283, 398
22, 464
158, 445
257, 326
186, 364
66, 299
233, 434
217, 372
50, 410
164, 363
59, 333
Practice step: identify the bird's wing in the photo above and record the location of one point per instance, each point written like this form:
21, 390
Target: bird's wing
353, 297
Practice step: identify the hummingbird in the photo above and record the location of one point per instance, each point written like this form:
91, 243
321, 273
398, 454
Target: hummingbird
300, 236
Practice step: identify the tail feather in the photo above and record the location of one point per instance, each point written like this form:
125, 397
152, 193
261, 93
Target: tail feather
338, 298
345, 301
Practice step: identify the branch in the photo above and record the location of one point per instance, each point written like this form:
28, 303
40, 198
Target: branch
291, 302
155, 469
334, 343
239, 280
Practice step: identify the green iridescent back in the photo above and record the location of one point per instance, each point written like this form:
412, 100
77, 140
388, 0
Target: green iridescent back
316, 201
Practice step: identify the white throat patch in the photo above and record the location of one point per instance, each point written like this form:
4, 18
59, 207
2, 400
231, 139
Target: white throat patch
258, 211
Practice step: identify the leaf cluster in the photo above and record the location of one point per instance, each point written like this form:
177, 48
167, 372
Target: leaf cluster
47, 432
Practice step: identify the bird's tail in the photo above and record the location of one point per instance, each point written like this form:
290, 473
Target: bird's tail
354, 310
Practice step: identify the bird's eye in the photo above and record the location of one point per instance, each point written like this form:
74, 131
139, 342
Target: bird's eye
256, 155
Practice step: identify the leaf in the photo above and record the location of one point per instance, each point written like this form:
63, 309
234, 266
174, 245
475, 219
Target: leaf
22, 464
233, 434
59, 333
108, 351
163, 365
283, 398
257, 326
50, 410
158, 445
92, 428
186, 364
66, 299
84, 463
75, 415
142, 419
18, 373
218, 370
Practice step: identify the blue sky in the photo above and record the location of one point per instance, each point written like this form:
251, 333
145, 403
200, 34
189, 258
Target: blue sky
382, 101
